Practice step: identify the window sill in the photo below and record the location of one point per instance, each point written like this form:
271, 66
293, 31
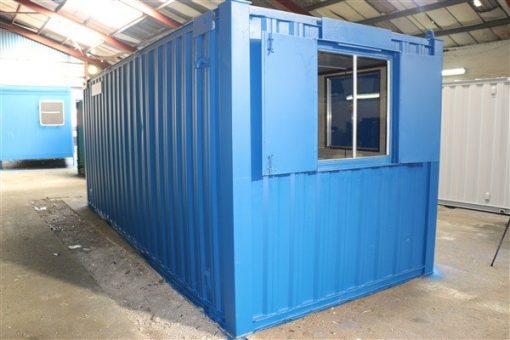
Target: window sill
357, 163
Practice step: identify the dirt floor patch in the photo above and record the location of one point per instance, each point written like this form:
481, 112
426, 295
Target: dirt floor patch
157, 309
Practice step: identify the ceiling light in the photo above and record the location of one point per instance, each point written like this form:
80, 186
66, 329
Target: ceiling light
453, 72
364, 96
92, 69
477, 3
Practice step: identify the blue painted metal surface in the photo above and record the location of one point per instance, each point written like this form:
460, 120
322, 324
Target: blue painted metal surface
416, 142
22, 135
288, 123
176, 162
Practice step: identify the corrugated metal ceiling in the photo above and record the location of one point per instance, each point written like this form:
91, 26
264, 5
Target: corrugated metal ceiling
458, 22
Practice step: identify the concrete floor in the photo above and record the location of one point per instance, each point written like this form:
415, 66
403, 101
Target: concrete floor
105, 290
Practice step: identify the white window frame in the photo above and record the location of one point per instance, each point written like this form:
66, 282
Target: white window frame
52, 101
355, 98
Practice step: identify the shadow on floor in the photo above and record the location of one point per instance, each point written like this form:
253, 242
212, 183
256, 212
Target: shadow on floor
35, 164
118, 269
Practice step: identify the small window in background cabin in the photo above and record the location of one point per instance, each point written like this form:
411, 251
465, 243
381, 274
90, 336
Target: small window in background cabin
340, 105
51, 113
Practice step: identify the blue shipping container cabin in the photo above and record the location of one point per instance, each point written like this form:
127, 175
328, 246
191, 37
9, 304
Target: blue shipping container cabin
35, 123
270, 164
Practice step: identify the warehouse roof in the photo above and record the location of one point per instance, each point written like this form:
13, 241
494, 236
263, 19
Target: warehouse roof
106, 31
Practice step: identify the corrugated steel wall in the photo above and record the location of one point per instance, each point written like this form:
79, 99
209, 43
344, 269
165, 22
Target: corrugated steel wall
24, 62
326, 236
14, 46
475, 150
152, 153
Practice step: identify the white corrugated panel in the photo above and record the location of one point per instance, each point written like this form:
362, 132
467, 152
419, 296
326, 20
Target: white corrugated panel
475, 145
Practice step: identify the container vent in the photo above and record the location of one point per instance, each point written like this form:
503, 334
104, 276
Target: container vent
51, 113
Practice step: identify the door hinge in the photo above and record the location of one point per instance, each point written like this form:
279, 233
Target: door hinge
269, 164
270, 48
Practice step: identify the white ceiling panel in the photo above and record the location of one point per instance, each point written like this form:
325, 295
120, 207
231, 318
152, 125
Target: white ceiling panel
184, 9
443, 18
465, 14
100, 26
108, 15
406, 26
403, 4
8, 5
104, 51
345, 11
7, 9
425, 21
484, 35
209, 4
496, 13
503, 32
388, 25
173, 15
448, 42
54, 36
74, 45
384, 7
49, 4
417, 23
127, 38
72, 10
362, 7
505, 5
325, 12
32, 20
463, 39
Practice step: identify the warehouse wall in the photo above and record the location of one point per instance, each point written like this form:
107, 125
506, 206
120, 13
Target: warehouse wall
490, 60
24, 62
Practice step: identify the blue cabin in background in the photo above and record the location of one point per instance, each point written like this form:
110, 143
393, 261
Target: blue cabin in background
270, 164
35, 123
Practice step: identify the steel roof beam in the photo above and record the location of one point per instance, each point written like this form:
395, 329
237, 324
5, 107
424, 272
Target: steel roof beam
51, 43
49, 13
16, 14
411, 11
462, 29
151, 12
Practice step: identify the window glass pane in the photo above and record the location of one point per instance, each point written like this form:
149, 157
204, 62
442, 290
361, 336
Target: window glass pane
51, 113
341, 112
371, 107
339, 105
335, 110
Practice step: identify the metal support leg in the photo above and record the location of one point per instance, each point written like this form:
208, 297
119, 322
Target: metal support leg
500, 243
